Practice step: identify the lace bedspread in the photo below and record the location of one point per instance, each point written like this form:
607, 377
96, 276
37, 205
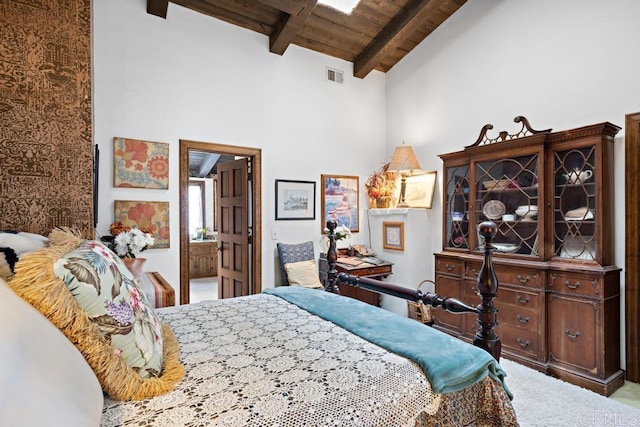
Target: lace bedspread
261, 361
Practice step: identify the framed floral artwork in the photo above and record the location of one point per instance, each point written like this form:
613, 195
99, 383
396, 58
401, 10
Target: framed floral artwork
340, 201
153, 216
140, 164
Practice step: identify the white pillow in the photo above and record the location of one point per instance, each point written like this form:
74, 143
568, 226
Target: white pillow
303, 273
44, 380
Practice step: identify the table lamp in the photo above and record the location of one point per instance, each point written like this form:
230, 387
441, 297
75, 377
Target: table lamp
404, 161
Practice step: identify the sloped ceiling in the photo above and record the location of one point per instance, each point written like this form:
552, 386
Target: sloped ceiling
375, 36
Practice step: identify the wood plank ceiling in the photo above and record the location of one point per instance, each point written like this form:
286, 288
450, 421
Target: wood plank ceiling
375, 36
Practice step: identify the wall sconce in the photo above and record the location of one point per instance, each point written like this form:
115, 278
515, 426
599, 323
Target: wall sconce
403, 161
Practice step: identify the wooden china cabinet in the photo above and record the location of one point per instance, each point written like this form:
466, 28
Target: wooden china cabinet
551, 196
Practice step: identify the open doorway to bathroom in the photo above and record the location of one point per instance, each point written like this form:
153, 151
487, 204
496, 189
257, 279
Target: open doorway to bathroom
208, 261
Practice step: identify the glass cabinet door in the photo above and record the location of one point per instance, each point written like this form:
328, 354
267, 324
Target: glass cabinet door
507, 194
457, 207
574, 203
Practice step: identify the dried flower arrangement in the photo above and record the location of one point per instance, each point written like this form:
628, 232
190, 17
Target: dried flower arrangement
381, 183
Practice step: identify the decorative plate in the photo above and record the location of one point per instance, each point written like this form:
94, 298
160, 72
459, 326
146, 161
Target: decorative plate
494, 209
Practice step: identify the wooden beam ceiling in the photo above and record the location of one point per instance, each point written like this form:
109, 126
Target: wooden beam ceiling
375, 36
288, 27
394, 34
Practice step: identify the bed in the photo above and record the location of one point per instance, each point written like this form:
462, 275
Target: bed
286, 358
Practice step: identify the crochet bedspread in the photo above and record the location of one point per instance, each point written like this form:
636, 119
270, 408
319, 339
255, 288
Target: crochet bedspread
261, 361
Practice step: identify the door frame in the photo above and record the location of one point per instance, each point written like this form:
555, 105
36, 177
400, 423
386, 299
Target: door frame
255, 155
631, 246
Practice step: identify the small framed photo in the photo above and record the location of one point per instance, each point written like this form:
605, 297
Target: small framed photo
420, 189
340, 201
295, 200
393, 235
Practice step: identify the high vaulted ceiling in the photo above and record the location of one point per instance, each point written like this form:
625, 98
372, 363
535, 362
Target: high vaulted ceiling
375, 36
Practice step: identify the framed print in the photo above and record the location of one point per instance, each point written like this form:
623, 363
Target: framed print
340, 201
393, 235
419, 190
153, 216
295, 200
140, 164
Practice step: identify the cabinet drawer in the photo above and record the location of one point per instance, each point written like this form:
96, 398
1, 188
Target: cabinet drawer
519, 298
576, 284
372, 271
449, 266
571, 331
519, 340
518, 317
519, 276
202, 248
452, 288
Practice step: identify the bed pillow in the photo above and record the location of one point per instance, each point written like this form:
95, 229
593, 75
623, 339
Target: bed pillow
86, 291
44, 380
303, 273
15, 244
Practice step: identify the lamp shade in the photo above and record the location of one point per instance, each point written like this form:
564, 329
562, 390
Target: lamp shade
404, 159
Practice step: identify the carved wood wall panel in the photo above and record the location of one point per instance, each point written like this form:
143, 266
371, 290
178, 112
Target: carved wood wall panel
46, 149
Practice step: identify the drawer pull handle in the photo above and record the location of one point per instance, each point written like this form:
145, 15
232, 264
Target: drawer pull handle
523, 343
572, 336
521, 279
570, 286
474, 272
522, 319
449, 267
522, 300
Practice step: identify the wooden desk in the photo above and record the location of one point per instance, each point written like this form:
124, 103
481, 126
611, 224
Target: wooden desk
363, 270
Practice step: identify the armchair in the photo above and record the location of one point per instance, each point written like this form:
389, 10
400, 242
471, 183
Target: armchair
293, 252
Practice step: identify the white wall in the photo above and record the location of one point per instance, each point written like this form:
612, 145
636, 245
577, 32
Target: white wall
194, 77
561, 64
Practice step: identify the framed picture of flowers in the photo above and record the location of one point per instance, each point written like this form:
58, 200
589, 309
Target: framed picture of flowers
140, 164
340, 201
151, 216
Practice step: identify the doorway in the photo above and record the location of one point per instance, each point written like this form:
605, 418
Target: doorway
254, 210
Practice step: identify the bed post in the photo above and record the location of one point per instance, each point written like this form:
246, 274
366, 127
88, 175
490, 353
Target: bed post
488, 286
332, 257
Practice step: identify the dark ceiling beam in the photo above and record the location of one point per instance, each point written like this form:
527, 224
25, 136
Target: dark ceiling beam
396, 31
292, 7
208, 162
158, 7
287, 28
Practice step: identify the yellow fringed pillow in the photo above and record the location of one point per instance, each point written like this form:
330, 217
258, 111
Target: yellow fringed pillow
87, 292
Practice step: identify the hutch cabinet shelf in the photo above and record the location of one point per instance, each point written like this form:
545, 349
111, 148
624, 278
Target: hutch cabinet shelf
551, 196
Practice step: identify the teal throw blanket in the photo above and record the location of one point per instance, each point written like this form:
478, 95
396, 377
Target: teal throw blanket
449, 363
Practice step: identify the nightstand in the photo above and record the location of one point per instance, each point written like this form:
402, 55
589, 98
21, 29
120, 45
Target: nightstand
351, 265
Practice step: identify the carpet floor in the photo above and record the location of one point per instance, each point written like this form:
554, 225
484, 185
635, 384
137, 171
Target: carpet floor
541, 400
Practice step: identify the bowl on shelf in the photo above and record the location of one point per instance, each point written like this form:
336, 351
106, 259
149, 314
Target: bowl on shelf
527, 211
457, 216
505, 247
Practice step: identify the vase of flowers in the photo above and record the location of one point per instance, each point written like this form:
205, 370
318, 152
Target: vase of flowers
128, 242
380, 186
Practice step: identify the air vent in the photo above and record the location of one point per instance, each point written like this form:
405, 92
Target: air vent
334, 75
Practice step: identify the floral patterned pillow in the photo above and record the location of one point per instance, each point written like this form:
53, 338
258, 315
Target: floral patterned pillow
105, 289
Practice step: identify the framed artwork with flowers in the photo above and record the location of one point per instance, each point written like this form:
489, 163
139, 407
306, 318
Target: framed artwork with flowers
150, 216
140, 164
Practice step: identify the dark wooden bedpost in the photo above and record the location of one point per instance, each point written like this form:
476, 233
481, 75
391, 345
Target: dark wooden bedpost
488, 286
332, 257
